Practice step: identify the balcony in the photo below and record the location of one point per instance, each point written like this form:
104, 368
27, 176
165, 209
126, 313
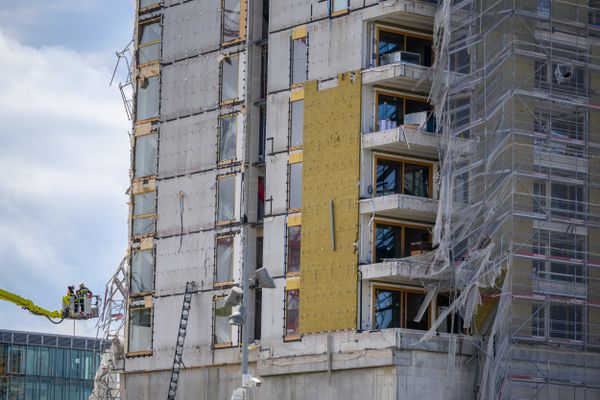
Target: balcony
406, 139
400, 206
399, 75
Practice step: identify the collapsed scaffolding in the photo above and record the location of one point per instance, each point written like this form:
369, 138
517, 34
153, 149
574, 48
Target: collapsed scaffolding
515, 88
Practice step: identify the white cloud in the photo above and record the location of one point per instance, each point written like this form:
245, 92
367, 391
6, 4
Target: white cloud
64, 158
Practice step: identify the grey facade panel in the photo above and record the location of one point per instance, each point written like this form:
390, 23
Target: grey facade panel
190, 86
190, 29
279, 61
197, 203
188, 144
285, 14
179, 260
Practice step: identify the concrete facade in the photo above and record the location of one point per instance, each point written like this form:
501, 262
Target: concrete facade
299, 136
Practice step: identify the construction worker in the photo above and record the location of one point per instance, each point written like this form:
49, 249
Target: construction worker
80, 296
67, 300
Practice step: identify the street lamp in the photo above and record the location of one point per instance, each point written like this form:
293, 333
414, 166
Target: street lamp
237, 299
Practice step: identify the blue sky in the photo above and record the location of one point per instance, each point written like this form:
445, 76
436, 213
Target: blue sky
64, 152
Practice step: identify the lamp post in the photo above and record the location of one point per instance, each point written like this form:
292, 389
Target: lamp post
260, 279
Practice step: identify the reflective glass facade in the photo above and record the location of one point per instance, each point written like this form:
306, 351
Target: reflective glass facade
47, 367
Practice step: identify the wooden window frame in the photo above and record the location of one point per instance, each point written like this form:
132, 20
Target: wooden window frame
140, 353
221, 77
403, 225
241, 27
403, 160
404, 96
336, 13
142, 45
403, 32
403, 300
146, 293
215, 345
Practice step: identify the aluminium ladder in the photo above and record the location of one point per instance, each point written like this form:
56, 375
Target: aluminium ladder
178, 359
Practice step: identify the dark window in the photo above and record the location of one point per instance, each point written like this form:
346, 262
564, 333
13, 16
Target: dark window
415, 238
294, 235
394, 47
388, 242
413, 304
292, 312
402, 178
387, 309
393, 111
260, 201
566, 321
257, 313
262, 132
299, 60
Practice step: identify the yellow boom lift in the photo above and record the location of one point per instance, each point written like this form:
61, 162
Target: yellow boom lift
85, 307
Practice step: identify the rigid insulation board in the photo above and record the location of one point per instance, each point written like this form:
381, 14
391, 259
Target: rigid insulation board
331, 162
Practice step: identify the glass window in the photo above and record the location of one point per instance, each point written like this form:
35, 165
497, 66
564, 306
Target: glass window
397, 47
17, 359
295, 186
292, 312
146, 3
3, 360
222, 328
17, 388
140, 329
228, 138
538, 324
415, 238
396, 308
44, 361
416, 180
567, 200
77, 364
561, 248
260, 201
387, 309
226, 198
230, 78
388, 242
294, 234
149, 42
62, 360
299, 60
390, 111
32, 367
60, 391
566, 321
145, 155
142, 271
143, 226
231, 20
225, 259
144, 204
339, 5
396, 241
297, 123
398, 177
147, 98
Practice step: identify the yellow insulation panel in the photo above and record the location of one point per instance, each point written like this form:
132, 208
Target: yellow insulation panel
328, 286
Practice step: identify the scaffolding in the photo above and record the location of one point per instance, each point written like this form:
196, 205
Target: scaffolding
518, 225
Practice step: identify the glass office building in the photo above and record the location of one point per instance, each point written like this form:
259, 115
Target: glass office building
36, 366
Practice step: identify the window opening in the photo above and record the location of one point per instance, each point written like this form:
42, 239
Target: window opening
295, 186
142, 271
299, 60
225, 259
297, 123
230, 78
292, 312
226, 198
228, 138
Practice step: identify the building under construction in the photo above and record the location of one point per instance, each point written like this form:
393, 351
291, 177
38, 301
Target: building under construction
420, 180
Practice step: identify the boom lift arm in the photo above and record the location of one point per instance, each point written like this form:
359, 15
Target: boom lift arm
84, 307
28, 305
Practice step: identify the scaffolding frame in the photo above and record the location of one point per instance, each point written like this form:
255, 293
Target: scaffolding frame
518, 220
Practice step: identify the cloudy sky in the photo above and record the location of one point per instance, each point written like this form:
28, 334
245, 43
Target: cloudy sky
64, 152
